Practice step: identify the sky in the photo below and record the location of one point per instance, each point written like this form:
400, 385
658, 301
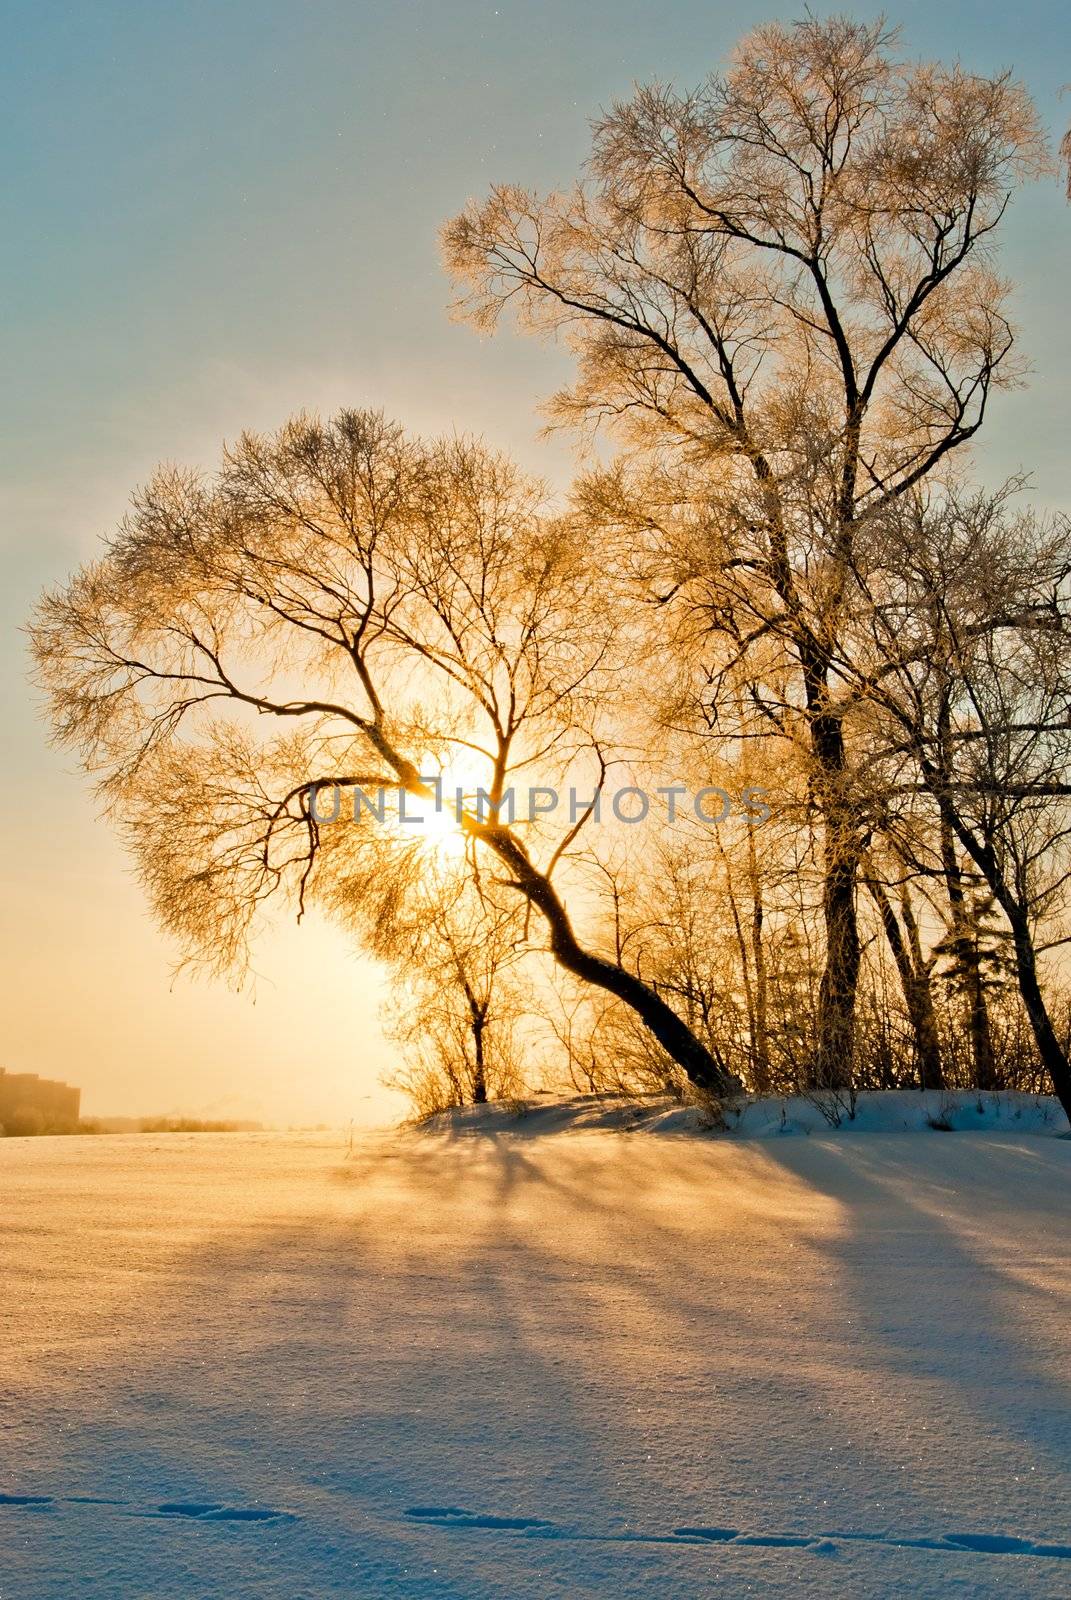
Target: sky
214, 215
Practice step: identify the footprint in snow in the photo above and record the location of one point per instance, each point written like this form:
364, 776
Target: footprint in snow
211, 1512
824, 1544
456, 1517
202, 1510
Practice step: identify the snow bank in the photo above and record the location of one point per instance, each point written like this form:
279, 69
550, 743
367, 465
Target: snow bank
892, 1111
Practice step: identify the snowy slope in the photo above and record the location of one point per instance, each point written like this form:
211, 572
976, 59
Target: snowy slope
894, 1111
512, 1367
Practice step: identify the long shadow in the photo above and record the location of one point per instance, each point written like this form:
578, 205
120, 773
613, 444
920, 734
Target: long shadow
587, 1337
959, 1311
995, 1394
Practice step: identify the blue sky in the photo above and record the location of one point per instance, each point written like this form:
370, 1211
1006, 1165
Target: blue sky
217, 214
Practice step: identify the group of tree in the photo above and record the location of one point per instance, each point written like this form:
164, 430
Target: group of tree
782, 297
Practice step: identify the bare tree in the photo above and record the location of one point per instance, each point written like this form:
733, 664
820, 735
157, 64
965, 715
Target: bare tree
780, 287
456, 956
968, 606
398, 608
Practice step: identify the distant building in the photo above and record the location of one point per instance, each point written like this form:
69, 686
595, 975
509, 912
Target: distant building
24, 1095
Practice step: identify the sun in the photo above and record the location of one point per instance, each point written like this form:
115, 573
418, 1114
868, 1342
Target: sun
456, 791
452, 787
441, 830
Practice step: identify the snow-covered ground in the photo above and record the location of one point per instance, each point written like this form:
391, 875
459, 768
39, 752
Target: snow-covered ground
896, 1111
509, 1366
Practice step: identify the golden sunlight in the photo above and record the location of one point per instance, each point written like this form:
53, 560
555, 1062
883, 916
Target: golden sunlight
441, 829
667, 813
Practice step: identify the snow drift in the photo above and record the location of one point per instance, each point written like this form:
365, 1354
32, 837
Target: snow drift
894, 1111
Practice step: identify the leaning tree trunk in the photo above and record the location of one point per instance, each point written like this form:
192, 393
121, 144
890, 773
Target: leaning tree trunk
678, 1041
1052, 1053
683, 1047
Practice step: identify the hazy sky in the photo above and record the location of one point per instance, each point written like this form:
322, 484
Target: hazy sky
215, 214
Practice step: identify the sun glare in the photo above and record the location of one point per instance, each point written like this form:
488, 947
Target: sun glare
457, 791
441, 829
